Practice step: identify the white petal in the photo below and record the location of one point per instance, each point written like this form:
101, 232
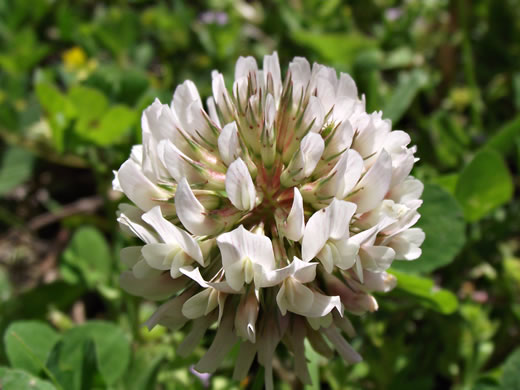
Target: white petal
376, 258
221, 95
340, 141
314, 115
373, 187
370, 139
159, 256
130, 255
212, 111
293, 296
191, 213
177, 163
200, 304
295, 224
323, 305
351, 175
172, 234
142, 270
271, 66
240, 244
316, 234
311, 148
130, 222
228, 143
407, 244
239, 186
408, 190
339, 214
185, 98
346, 86
138, 188
245, 66
302, 271
194, 274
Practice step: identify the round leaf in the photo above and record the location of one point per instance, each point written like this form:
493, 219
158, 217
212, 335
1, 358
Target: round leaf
28, 344
511, 373
484, 184
111, 345
11, 379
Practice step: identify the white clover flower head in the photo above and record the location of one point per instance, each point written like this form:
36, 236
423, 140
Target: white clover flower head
275, 212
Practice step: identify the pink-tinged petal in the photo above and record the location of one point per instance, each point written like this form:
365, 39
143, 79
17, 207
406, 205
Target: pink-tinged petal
229, 144
319, 344
339, 214
273, 332
224, 340
239, 186
379, 281
297, 336
316, 235
171, 234
138, 188
373, 187
344, 324
191, 213
246, 316
193, 338
243, 362
345, 350
169, 314
156, 286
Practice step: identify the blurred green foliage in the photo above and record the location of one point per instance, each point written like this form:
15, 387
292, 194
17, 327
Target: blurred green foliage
74, 78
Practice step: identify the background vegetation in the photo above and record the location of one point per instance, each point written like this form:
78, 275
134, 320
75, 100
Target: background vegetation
74, 78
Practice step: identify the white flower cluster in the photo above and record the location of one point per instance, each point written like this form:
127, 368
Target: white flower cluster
272, 212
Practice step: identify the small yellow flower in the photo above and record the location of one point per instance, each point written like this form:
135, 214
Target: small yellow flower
74, 58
